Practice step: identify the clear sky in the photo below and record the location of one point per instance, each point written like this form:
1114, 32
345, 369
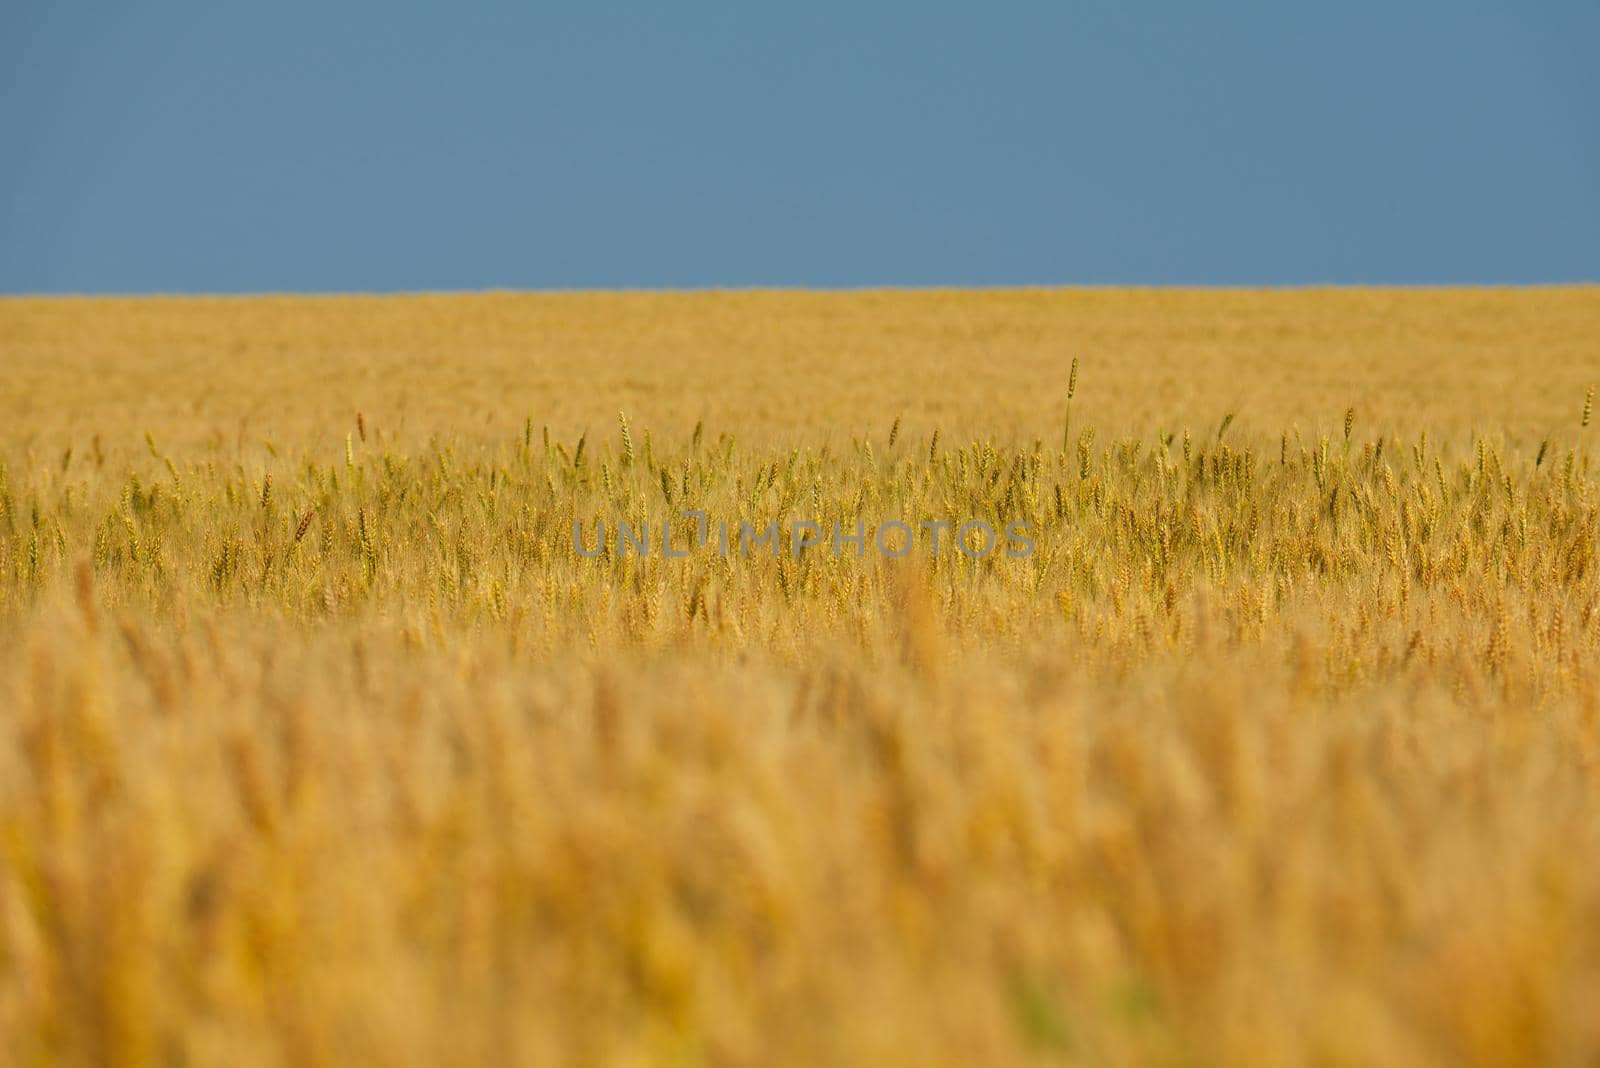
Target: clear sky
228, 147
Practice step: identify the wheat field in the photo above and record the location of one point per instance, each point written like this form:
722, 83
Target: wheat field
320, 743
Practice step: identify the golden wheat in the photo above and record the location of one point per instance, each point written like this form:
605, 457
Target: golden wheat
1281, 745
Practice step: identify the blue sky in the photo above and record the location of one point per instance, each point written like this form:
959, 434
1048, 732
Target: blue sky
225, 147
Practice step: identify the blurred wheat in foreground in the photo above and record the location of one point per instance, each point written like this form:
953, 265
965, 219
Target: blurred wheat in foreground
320, 745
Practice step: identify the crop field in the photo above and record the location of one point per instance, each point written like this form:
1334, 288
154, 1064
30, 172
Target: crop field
1264, 730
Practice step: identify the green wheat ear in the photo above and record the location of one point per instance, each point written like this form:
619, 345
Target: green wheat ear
627, 440
1588, 407
1072, 389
